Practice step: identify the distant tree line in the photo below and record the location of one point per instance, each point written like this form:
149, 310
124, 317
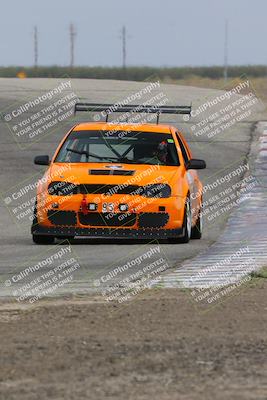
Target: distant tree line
133, 73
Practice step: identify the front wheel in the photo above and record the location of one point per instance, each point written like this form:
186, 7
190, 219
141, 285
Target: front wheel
198, 228
187, 225
41, 239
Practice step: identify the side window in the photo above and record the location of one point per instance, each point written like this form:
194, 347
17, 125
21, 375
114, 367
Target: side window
183, 149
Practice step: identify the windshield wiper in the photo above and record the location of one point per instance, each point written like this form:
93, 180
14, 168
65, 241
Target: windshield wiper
86, 153
125, 160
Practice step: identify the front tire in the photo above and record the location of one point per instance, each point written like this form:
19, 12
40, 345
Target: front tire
198, 228
40, 239
187, 225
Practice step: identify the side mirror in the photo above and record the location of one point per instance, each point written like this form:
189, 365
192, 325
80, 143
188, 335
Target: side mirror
195, 164
42, 160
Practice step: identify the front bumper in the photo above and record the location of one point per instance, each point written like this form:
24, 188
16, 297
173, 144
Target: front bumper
142, 213
106, 233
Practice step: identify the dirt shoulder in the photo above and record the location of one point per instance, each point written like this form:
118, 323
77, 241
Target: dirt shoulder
158, 346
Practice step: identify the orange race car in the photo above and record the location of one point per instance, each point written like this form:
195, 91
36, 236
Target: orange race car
120, 180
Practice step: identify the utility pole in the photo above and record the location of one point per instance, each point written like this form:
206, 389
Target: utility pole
123, 47
35, 39
225, 72
72, 39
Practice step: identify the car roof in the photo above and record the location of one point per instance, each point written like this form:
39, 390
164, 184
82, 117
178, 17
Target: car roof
84, 126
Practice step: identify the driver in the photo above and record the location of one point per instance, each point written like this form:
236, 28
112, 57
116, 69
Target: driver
162, 151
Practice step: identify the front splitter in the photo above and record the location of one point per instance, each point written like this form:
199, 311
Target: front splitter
106, 232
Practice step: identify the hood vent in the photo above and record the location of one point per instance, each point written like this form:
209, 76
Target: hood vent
111, 172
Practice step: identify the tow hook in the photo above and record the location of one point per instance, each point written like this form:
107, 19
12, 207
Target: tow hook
84, 206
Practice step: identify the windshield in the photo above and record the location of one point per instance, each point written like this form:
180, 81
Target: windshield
119, 146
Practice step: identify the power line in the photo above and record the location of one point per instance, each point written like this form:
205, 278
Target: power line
72, 40
35, 39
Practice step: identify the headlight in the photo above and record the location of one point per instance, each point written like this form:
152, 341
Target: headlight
161, 190
61, 188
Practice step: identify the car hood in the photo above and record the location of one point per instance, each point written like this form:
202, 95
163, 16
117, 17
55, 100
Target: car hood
104, 173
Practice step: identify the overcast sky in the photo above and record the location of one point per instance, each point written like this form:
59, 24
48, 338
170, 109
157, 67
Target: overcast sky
160, 32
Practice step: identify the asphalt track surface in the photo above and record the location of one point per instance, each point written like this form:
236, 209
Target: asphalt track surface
223, 153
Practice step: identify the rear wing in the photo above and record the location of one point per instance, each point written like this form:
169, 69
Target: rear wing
107, 109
